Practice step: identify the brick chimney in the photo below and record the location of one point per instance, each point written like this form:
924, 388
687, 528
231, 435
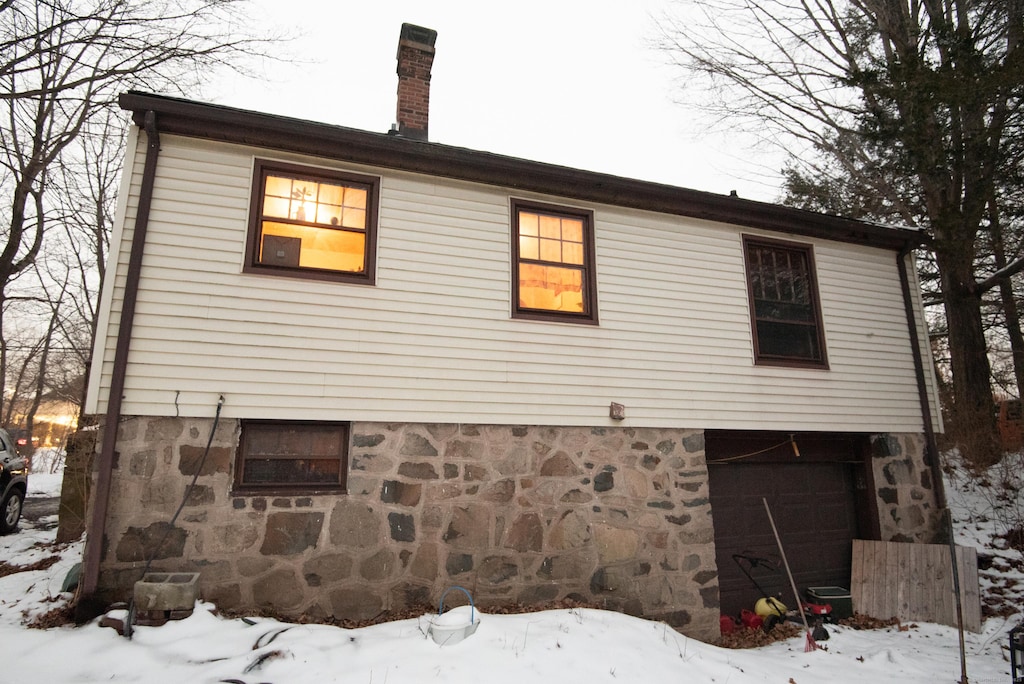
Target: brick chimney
415, 57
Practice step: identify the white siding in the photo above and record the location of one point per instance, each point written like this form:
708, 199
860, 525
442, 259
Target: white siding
433, 340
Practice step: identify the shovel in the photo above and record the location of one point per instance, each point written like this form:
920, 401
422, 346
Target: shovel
811, 644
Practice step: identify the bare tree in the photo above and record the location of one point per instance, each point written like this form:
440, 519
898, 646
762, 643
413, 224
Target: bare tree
89, 175
62, 65
917, 101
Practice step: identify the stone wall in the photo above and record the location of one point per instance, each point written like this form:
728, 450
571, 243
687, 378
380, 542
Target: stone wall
907, 510
614, 516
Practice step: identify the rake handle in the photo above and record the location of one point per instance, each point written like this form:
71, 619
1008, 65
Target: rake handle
789, 574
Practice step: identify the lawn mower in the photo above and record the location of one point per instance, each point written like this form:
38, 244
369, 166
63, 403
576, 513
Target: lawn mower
771, 609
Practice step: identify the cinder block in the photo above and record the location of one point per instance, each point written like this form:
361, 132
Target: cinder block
167, 591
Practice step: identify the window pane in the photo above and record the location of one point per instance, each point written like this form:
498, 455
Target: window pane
278, 186
529, 224
292, 471
331, 194
355, 198
328, 214
529, 247
550, 288
782, 311
303, 211
550, 250
326, 443
262, 441
572, 230
572, 253
551, 227
336, 250
353, 218
276, 207
787, 340
286, 244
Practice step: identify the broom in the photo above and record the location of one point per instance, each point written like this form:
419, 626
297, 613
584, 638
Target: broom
811, 644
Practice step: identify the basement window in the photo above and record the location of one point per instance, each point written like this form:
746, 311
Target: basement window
276, 456
554, 276
312, 223
784, 307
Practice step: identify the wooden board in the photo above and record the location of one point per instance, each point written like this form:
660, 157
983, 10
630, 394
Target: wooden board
914, 582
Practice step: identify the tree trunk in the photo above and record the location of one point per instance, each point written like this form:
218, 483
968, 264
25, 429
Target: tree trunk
973, 413
1011, 313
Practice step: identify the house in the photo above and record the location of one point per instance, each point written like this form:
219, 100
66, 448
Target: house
391, 366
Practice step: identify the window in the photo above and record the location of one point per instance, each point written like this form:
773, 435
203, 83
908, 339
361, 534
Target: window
784, 306
279, 455
553, 263
312, 223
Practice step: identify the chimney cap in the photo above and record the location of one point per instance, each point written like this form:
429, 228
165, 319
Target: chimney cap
418, 34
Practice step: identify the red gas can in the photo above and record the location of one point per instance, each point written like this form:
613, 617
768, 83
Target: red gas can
751, 620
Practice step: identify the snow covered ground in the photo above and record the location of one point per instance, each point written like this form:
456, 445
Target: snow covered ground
572, 645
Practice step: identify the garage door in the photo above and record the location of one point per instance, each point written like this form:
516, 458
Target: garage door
813, 498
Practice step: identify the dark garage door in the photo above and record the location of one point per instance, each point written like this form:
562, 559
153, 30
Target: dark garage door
813, 498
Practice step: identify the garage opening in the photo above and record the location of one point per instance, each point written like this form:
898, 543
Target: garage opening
818, 488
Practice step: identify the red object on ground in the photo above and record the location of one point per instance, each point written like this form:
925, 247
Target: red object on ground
818, 608
727, 624
751, 620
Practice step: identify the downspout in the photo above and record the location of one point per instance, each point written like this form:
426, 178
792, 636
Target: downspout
931, 445
932, 449
87, 606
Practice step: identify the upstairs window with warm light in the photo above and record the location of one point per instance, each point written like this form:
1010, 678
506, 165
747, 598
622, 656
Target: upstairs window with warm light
784, 307
553, 261
312, 223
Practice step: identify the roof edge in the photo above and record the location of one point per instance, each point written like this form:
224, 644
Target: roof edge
228, 124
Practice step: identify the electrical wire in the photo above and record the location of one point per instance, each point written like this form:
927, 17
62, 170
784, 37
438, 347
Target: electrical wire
188, 492
792, 441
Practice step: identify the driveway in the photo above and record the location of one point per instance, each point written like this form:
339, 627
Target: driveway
39, 507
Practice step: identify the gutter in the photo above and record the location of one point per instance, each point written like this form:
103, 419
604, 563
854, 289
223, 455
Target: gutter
88, 606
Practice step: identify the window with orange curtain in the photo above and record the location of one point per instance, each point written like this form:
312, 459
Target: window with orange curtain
312, 223
553, 260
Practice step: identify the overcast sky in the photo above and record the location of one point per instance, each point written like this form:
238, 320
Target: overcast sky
570, 82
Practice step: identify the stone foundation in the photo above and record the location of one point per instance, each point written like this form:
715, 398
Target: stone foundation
907, 510
619, 517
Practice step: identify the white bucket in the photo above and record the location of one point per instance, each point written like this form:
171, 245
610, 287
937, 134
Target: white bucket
455, 625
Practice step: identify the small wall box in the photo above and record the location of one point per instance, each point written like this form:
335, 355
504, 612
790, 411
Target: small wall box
838, 597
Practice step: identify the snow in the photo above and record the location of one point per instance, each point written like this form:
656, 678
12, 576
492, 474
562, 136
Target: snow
570, 645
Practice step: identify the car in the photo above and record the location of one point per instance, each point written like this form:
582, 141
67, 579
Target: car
21, 438
13, 484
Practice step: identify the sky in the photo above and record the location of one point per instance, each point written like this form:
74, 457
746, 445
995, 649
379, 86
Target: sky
566, 646
568, 82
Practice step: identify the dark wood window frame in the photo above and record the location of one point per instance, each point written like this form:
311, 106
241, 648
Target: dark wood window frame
264, 167
588, 269
814, 357
249, 481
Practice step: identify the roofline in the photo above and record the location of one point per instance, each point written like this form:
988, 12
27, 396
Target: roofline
228, 124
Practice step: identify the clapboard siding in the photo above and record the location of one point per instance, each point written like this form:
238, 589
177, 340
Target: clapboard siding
433, 339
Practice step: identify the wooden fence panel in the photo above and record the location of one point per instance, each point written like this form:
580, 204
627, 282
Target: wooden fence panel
914, 582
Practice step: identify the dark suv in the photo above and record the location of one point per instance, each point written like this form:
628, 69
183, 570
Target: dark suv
13, 484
